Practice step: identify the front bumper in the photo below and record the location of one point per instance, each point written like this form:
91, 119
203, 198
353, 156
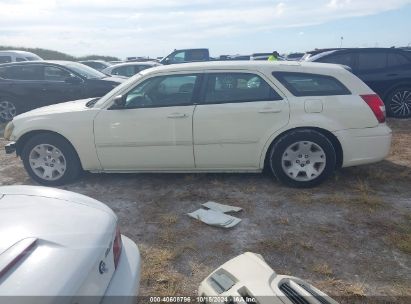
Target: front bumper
10, 148
364, 146
124, 285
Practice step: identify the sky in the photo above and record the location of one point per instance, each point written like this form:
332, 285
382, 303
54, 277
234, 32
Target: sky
156, 27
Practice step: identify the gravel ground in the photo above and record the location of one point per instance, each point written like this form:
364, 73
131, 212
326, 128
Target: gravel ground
350, 237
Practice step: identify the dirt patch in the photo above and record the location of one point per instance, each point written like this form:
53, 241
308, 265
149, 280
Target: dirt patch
350, 236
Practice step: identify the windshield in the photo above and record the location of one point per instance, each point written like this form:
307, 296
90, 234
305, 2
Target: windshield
85, 71
118, 89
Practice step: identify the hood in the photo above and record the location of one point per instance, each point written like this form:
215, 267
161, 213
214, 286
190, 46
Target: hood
65, 107
68, 235
111, 79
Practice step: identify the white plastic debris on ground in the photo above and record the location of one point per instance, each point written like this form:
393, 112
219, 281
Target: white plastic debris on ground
215, 215
221, 208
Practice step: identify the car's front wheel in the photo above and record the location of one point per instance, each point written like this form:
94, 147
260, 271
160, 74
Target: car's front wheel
398, 103
302, 158
50, 160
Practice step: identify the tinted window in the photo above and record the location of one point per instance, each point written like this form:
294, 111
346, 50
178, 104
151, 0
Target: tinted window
345, 59
19, 59
395, 60
26, 72
238, 87
163, 91
55, 74
127, 71
372, 61
178, 57
5, 59
304, 84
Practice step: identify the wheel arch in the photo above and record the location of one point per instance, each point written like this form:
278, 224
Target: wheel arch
404, 83
331, 137
21, 142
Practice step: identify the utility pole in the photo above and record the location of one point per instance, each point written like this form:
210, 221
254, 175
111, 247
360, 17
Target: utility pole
341, 42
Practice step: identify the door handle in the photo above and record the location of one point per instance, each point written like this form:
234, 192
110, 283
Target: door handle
177, 115
269, 110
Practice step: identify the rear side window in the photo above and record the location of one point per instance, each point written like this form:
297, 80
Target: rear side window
396, 60
238, 87
305, 84
369, 61
345, 59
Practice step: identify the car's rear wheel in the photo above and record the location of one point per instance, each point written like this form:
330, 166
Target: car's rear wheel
302, 158
50, 160
8, 109
398, 102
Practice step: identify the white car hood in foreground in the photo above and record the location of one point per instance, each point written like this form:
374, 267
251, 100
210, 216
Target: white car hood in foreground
65, 107
72, 233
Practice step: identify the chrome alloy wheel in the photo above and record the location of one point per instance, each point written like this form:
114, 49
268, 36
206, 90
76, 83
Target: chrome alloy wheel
7, 110
400, 104
303, 161
47, 162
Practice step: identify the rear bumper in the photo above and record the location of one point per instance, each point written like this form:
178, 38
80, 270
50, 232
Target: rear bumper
10, 148
123, 287
364, 146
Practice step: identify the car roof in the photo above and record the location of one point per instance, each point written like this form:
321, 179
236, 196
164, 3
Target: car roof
244, 65
52, 62
17, 52
134, 63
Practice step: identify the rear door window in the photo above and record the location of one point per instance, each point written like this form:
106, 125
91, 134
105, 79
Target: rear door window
23, 72
305, 84
238, 87
5, 59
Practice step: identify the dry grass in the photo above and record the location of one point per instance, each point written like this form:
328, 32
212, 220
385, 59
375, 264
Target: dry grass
342, 288
284, 245
323, 269
304, 197
284, 221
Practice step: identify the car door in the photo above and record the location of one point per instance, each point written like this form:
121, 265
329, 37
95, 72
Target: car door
24, 82
239, 111
153, 131
59, 85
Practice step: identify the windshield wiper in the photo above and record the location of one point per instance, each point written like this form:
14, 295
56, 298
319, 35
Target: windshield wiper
92, 102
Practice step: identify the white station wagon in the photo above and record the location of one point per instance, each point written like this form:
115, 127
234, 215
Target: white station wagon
301, 120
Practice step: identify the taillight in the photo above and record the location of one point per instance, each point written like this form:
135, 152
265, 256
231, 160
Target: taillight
376, 105
117, 245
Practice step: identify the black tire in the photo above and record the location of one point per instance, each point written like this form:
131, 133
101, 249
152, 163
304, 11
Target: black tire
305, 137
9, 108
398, 102
73, 167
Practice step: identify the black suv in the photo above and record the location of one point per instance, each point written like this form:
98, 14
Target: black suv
28, 85
387, 71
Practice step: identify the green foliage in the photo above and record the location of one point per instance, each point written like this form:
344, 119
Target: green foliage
54, 55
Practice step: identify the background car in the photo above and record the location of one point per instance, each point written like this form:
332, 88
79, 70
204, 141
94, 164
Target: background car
128, 69
98, 65
17, 56
186, 55
322, 118
57, 243
28, 85
386, 71
294, 56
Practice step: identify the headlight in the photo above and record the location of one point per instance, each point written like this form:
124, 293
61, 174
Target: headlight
8, 130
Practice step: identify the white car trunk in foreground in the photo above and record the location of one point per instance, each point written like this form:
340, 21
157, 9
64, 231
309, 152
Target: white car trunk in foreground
56, 243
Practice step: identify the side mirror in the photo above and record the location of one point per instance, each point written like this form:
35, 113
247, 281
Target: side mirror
118, 103
166, 60
73, 80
